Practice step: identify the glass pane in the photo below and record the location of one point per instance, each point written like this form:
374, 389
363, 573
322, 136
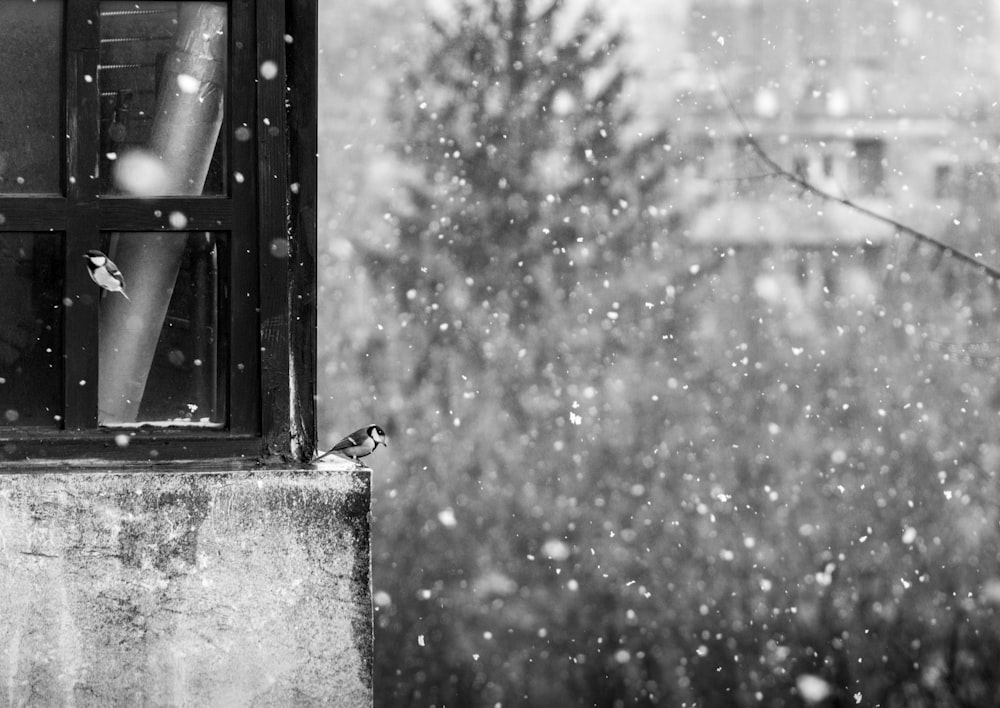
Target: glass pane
31, 271
31, 86
162, 353
162, 77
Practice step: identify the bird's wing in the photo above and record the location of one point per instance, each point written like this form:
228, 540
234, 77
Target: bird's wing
352, 440
115, 273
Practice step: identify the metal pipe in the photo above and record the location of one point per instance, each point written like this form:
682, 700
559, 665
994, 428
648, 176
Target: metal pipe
184, 134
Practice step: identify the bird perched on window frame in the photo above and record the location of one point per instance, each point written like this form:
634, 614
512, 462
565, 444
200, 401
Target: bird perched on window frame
105, 273
361, 443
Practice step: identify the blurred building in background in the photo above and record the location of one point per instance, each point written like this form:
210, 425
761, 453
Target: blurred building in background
893, 105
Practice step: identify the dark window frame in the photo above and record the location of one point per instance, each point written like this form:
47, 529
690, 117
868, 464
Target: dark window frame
272, 316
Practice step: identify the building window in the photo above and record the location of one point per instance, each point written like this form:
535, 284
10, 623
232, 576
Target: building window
800, 167
828, 165
142, 130
870, 156
944, 181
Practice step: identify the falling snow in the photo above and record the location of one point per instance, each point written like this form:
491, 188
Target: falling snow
721, 441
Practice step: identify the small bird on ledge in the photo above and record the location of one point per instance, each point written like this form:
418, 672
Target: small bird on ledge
360, 443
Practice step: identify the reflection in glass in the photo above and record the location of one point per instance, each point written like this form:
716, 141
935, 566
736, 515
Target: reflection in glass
31, 86
30, 329
175, 375
162, 80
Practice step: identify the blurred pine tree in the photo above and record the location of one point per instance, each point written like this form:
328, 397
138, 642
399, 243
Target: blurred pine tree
525, 170
628, 470
528, 189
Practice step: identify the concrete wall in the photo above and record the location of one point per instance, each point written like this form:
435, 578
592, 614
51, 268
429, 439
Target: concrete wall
185, 589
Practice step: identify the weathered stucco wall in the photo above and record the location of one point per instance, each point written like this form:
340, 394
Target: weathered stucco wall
207, 589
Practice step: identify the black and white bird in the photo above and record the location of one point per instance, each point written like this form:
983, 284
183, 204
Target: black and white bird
360, 443
105, 273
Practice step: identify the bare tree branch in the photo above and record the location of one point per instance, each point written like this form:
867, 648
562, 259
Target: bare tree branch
806, 186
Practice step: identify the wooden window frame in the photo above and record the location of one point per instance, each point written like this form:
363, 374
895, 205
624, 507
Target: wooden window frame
272, 300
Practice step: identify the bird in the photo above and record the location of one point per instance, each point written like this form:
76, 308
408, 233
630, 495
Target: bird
360, 443
105, 273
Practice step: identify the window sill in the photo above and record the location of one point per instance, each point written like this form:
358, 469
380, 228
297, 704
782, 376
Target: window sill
245, 583
183, 454
122, 447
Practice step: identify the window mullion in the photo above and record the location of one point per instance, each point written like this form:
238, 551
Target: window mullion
243, 296
166, 213
82, 226
273, 243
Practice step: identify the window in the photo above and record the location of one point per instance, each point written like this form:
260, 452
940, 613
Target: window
800, 166
944, 182
827, 165
155, 133
870, 153
30, 331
